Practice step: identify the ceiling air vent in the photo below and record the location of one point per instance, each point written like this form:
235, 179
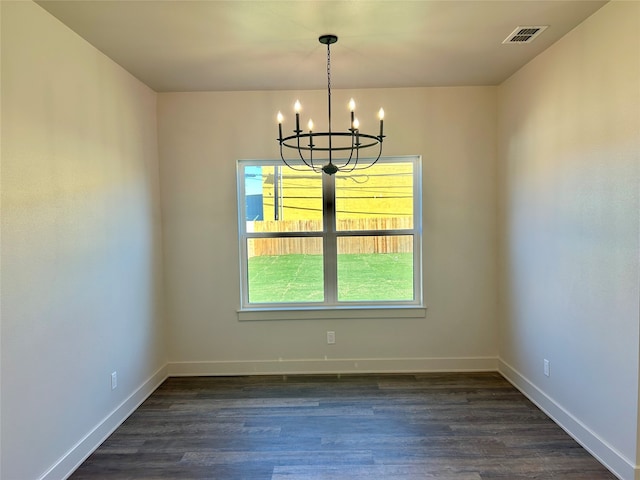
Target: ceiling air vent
525, 34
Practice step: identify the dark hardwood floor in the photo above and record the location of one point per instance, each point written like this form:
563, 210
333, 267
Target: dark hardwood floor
428, 426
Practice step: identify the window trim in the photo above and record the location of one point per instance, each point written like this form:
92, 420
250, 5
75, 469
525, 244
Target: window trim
329, 313
331, 307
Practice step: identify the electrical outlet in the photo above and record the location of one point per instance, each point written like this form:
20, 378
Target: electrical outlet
114, 380
546, 367
331, 337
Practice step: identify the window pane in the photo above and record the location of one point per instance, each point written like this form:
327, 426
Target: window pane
285, 270
278, 199
375, 268
378, 198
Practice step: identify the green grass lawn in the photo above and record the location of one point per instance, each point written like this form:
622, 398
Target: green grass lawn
361, 277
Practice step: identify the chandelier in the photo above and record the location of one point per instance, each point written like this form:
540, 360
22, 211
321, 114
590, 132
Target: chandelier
346, 144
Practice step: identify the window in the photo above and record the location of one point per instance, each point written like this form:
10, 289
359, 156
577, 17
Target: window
310, 240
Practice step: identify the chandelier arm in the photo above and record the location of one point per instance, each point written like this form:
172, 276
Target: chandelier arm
314, 168
287, 163
369, 165
309, 163
355, 165
353, 148
298, 136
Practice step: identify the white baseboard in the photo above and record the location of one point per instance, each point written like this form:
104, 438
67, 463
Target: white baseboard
617, 463
70, 461
333, 365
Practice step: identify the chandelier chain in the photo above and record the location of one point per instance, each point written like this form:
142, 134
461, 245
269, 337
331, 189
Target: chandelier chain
329, 69
329, 99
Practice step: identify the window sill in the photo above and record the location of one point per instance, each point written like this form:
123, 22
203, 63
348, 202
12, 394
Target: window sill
260, 314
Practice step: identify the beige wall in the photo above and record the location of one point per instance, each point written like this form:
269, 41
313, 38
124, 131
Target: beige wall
202, 134
530, 209
569, 130
81, 256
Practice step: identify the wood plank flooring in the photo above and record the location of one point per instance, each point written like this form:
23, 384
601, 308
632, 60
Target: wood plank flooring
428, 426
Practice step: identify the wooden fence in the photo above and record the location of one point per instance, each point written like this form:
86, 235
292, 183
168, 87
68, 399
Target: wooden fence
313, 245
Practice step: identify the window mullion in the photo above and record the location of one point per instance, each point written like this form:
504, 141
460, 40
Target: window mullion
330, 248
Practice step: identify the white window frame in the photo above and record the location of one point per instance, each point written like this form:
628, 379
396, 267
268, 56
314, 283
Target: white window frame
331, 307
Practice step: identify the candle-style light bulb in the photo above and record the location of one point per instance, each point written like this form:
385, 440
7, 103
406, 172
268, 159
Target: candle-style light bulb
356, 124
310, 125
297, 107
280, 117
381, 114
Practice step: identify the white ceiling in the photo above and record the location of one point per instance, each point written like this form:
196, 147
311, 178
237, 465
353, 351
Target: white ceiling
273, 45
